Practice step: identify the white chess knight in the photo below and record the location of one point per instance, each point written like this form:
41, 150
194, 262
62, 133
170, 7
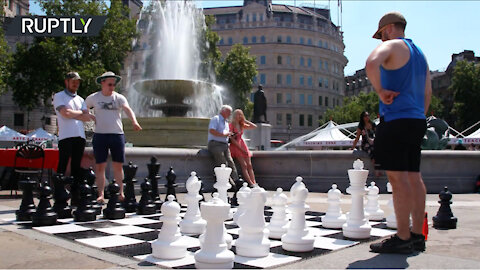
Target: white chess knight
242, 197
372, 209
279, 222
214, 252
253, 236
357, 226
192, 222
170, 243
298, 238
334, 218
391, 219
222, 183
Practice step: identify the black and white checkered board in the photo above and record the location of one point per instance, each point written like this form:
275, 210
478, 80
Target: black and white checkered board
133, 235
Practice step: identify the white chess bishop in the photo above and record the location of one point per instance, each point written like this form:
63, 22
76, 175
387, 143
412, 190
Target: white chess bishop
372, 209
334, 218
170, 243
214, 252
242, 197
279, 222
298, 238
192, 222
253, 236
222, 183
357, 226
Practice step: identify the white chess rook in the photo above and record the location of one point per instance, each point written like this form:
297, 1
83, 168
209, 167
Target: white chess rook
391, 219
298, 238
357, 226
170, 243
242, 197
214, 253
192, 222
334, 218
222, 184
279, 222
372, 209
252, 237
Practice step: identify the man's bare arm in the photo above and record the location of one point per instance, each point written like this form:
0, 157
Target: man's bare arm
428, 90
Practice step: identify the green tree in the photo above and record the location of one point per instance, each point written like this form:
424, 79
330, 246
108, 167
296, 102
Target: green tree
38, 69
466, 88
236, 73
5, 56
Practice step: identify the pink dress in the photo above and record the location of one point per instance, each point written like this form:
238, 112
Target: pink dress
234, 150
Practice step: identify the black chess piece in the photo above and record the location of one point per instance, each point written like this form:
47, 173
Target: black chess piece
444, 218
84, 212
27, 207
44, 216
154, 177
89, 175
114, 208
75, 185
146, 205
130, 203
171, 185
234, 200
61, 196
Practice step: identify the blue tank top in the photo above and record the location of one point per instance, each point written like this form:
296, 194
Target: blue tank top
409, 80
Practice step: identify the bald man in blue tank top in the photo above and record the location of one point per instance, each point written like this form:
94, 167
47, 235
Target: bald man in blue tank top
399, 73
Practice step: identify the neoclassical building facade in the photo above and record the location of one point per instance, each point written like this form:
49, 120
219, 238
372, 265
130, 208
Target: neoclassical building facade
300, 59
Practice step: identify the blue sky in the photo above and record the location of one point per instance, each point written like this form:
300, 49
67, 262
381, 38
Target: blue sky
439, 28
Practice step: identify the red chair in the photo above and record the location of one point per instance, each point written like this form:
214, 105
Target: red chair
28, 152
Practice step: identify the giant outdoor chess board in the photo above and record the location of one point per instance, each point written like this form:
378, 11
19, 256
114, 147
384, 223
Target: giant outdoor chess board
132, 237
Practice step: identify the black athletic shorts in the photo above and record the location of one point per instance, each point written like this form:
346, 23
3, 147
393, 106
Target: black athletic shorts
397, 144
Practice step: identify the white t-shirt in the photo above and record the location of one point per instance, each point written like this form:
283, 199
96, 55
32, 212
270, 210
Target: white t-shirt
68, 127
108, 112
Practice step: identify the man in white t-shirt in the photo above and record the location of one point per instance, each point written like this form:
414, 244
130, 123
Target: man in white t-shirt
71, 113
108, 105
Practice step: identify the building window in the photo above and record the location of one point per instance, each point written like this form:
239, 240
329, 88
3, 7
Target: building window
19, 10
289, 60
320, 44
263, 60
302, 40
319, 119
254, 39
289, 39
301, 98
320, 82
338, 102
310, 100
301, 120
279, 60
326, 83
254, 17
302, 81
255, 80
326, 65
279, 119
320, 64
221, 41
279, 98
248, 17
279, 39
245, 40
261, 17
289, 119
326, 101
310, 120
230, 41
288, 98
263, 78
289, 79
18, 119
325, 45
309, 62
279, 79
310, 81
309, 42
320, 100
262, 39
302, 61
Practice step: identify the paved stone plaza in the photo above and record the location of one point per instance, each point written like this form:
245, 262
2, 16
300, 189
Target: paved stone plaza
446, 249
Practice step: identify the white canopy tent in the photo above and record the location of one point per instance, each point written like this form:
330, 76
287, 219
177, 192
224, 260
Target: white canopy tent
328, 136
10, 135
40, 135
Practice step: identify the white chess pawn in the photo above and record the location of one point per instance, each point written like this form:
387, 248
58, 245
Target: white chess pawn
334, 218
214, 253
373, 208
192, 222
298, 238
170, 243
279, 222
222, 183
391, 219
242, 197
253, 236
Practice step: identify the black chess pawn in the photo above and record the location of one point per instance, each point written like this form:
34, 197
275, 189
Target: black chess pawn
444, 218
146, 205
84, 212
130, 203
27, 207
154, 178
44, 216
234, 200
171, 185
61, 196
89, 175
114, 208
